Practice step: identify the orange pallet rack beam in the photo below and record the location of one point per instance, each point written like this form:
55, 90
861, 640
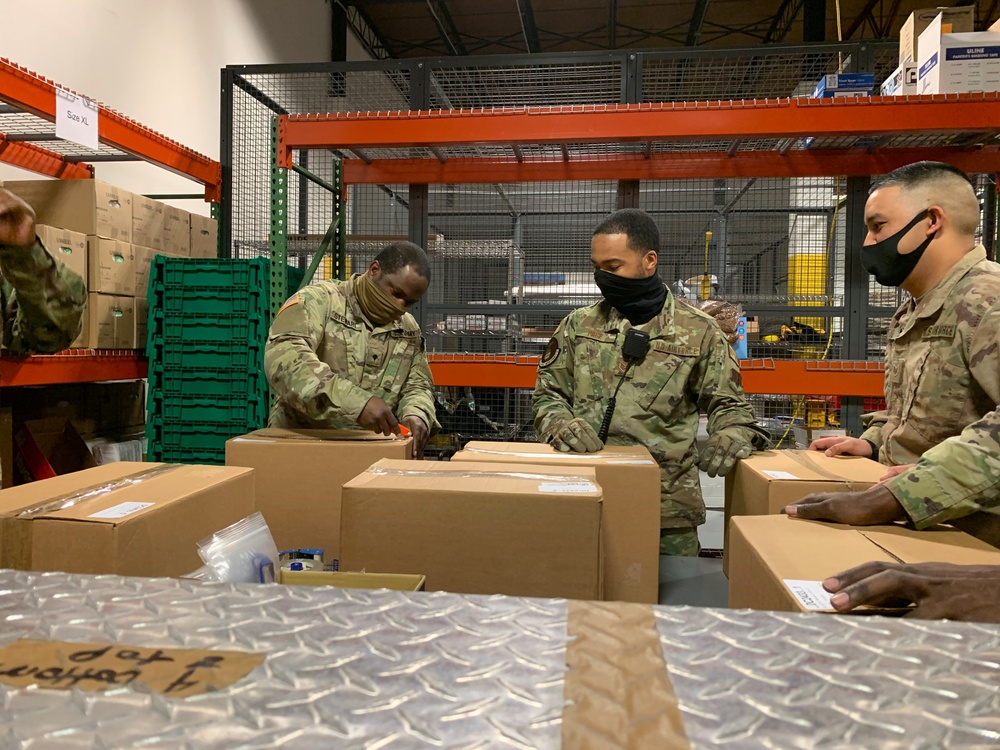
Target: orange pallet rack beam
41, 160
73, 366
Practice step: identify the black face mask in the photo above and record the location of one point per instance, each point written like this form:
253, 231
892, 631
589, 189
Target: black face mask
884, 261
639, 300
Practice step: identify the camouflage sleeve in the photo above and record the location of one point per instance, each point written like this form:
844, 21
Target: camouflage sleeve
873, 426
297, 375
961, 475
417, 396
42, 301
718, 387
552, 400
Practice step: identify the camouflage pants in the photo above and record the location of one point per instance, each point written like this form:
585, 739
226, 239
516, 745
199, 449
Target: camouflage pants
679, 542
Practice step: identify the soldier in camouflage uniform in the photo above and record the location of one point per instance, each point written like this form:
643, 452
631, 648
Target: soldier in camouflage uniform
688, 368
347, 355
942, 384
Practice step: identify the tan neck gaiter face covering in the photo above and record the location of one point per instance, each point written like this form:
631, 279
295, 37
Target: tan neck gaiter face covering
381, 308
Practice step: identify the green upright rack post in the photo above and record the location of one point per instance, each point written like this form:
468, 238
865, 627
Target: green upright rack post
279, 226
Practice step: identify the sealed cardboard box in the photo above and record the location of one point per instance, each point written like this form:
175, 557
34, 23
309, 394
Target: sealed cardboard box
299, 475
110, 322
69, 247
141, 323
130, 519
342, 580
143, 263
147, 222
902, 82
82, 340
477, 528
957, 63
86, 206
958, 20
779, 563
847, 84
630, 520
204, 237
45, 448
112, 266
176, 231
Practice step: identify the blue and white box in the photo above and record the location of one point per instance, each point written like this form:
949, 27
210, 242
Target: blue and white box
958, 63
844, 84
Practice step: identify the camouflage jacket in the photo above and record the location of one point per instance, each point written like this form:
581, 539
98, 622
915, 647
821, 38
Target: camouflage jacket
41, 301
689, 368
324, 360
942, 389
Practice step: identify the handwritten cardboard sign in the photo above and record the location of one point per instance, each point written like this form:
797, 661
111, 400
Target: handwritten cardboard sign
99, 666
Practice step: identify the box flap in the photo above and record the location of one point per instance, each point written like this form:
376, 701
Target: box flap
936, 544
273, 434
813, 466
482, 450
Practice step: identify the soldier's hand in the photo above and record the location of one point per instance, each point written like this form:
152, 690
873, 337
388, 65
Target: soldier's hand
378, 417
576, 436
17, 221
938, 590
723, 450
419, 433
872, 507
842, 445
895, 471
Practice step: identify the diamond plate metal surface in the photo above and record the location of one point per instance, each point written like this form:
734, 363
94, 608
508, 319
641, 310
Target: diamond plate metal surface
374, 669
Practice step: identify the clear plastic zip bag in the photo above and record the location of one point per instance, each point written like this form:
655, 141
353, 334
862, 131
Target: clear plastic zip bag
242, 553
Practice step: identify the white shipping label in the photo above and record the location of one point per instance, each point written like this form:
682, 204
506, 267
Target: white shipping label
779, 475
120, 511
810, 594
567, 487
76, 119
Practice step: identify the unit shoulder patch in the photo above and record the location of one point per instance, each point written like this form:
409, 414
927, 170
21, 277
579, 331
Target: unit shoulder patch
551, 353
293, 300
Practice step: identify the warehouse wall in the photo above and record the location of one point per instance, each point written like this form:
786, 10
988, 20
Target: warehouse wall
158, 62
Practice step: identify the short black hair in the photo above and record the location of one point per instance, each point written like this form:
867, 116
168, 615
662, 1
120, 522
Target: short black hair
637, 225
917, 173
399, 255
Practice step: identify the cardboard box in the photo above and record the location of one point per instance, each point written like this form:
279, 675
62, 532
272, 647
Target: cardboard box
958, 63
317, 463
69, 247
130, 519
110, 322
767, 481
960, 20
342, 580
528, 530
147, 222
143, 263
204, 237
176, 231
850, 84
902, 82
779, 563
111, 266
805, 435
630, 520
46, 448
141, 317
86, 206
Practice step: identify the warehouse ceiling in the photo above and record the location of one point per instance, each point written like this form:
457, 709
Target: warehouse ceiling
430, 28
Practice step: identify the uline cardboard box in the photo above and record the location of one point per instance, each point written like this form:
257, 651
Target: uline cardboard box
204, 237
960, 19
67, 246
132, 519
110, 322
779, 563
176, 231
143, 263
85, 206
630, 520
112, 266
299, 476
957, 63
477, 528
141, 323
147, 222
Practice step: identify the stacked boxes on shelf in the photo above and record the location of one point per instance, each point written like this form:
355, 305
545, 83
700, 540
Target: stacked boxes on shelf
208, 321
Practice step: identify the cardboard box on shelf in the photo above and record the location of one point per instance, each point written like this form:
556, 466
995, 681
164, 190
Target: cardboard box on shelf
342, 580
957, 63
141, 318
204, 237
111, 266
45, 448
143, 262
110, 322
176, 231
959, 20
317, 463
82, 340
477, 528
779, 563
86, 206
147, 222
132, 519
847, 84
630, 517
67, 246
902, 82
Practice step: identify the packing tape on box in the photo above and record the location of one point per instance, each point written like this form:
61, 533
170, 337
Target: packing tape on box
611, 458
437, 473
799, 458
617, 686
87, 493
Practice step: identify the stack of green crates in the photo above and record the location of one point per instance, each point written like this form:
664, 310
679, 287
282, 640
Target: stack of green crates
208, 322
